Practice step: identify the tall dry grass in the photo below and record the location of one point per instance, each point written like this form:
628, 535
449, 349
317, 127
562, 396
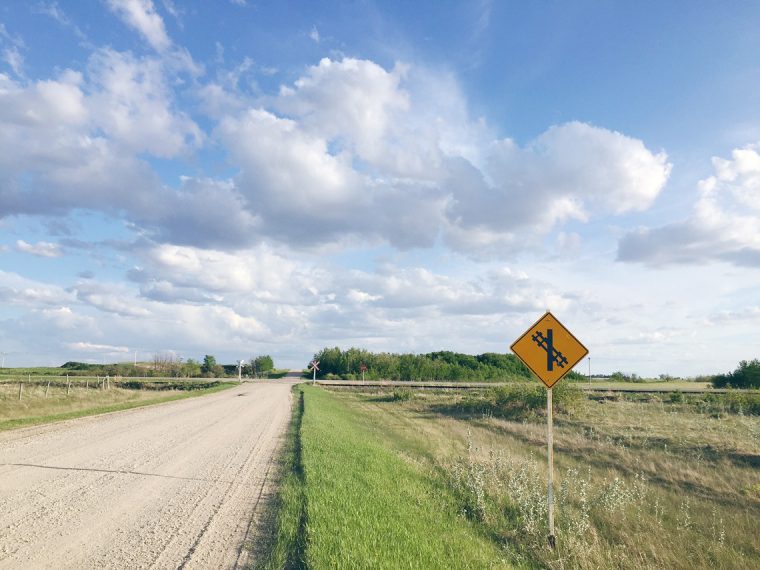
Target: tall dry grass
644, 484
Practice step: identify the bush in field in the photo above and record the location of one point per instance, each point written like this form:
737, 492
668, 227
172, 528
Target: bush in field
747, 375
402, 394
519, 400
745, 403
676, 397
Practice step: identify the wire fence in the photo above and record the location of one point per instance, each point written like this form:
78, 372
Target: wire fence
48, 386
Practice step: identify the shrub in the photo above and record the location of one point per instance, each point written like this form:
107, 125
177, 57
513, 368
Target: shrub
743, 403
676, 397
520, 400
402, 394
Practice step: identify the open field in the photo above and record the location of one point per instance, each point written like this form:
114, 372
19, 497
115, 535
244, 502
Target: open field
34, 371
40, 403
93, 380
164, 486
670, 386
639, 483
675, 386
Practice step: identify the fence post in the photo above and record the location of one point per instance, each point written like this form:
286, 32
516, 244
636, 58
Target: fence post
48, 388
68, 384
87, 383
20, 388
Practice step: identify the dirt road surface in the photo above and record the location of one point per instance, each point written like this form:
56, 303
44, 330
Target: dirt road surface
167, 486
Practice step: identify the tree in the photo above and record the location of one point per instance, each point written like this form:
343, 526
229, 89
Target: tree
746, 375
210, 368
262, 364
441, 365
191, 369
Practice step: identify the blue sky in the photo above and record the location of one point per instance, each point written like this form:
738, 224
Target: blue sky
240, 177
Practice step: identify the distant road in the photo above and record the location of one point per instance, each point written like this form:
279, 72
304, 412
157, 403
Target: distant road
167, 486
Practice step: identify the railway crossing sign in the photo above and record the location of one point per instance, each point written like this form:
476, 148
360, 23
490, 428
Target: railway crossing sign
314, 366
549, 349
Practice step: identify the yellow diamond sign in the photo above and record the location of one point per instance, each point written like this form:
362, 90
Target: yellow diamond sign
549, 349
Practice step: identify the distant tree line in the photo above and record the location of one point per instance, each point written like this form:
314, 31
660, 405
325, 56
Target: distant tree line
746, 375
442, 365
169, 365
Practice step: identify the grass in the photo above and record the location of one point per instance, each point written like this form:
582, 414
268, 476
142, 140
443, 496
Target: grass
34, 371
349, 499
660, 385
37, 408
639, 483
287, 548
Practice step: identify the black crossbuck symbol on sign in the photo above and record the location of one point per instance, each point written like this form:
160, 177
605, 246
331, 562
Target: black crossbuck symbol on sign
552, 354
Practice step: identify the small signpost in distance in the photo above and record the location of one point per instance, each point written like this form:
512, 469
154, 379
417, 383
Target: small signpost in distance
314, 366
363, 369
550, 351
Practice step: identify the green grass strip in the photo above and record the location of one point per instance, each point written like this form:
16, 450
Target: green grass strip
366, 506
287, 548
36, 420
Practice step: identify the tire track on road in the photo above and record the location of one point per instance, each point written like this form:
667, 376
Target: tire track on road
162, 486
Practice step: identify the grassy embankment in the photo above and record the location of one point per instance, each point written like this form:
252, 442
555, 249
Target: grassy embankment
640, 483
62, 403
349, 500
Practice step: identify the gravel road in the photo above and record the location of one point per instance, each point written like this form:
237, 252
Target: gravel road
168, 486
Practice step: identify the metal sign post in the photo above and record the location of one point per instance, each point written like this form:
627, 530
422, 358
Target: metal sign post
550, 481
363, 368
550, 351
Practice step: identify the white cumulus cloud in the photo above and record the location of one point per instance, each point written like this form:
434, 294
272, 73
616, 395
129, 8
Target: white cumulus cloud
141, 15
724, 224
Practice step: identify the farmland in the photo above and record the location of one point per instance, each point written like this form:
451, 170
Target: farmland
641, 482
29, 400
